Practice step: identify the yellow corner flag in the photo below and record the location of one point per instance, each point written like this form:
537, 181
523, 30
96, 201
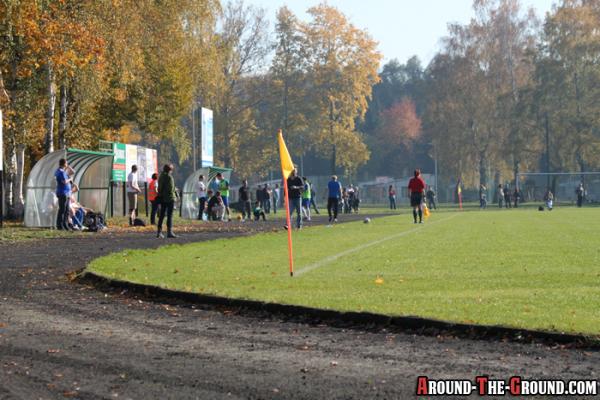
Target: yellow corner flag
287, 166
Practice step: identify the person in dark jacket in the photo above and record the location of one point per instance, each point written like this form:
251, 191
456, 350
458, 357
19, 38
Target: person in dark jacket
430, 195
507, 202
167, 196
260, 196
516, 197
295, 188
245, 202
580, 193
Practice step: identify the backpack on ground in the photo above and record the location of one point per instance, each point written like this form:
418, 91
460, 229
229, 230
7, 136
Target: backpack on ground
94, 222
139, 222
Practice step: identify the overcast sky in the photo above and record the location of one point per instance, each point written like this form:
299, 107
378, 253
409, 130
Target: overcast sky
403, 28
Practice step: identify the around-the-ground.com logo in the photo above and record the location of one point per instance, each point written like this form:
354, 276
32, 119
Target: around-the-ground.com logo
514, 386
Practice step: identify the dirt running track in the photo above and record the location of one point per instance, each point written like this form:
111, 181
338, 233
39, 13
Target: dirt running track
60, 339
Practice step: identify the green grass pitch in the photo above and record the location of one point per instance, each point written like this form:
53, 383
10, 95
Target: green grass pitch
517, 268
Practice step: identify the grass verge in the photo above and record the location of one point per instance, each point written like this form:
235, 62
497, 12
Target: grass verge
519, 268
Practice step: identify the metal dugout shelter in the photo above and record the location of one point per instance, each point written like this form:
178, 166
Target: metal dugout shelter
189, 199
93, 172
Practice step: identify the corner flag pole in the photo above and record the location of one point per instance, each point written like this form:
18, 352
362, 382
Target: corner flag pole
289, 225
287, 166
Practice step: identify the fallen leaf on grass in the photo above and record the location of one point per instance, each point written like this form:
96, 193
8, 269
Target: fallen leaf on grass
379, 280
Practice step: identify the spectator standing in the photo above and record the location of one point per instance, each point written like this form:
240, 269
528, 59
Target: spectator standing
334, 195
356, 204
306, 193
549, 199
482, 196
580, 192
260, 195
213, 185
276, 195
246, 204
153, 198
224, 191
345, 206
133, 190
295, 187
392, 197
416, 190
167, 196
516, 197
507, 202
431, 198
313, 198
63, 192
267, 199
201, 193
500, 194
351, 198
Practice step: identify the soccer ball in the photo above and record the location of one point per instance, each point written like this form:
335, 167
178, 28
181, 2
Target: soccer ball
367, 220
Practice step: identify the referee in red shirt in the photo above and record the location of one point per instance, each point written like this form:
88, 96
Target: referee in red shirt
416, 191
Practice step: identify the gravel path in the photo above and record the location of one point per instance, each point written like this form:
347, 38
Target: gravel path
60, 339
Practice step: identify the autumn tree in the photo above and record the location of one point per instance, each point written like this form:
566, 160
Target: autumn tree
399, 83
342, 68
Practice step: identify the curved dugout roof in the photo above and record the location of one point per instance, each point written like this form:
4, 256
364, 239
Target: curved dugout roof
190, 205
92, 176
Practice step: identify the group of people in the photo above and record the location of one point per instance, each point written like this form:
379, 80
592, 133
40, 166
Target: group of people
507, 197
162, 196
350, 199
213, 200
268, 198
71, 214
301, 197
262, 204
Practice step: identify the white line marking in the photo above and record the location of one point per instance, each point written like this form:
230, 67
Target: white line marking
344, 253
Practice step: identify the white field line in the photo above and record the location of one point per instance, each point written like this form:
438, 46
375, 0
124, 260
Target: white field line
344, 253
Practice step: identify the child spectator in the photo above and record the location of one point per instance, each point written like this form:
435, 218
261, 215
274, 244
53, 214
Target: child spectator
258, 212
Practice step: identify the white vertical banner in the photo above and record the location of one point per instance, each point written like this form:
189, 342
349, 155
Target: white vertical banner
1, 144
207, 137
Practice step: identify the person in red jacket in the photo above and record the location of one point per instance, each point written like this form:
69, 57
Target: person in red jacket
153, 198
416, 191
